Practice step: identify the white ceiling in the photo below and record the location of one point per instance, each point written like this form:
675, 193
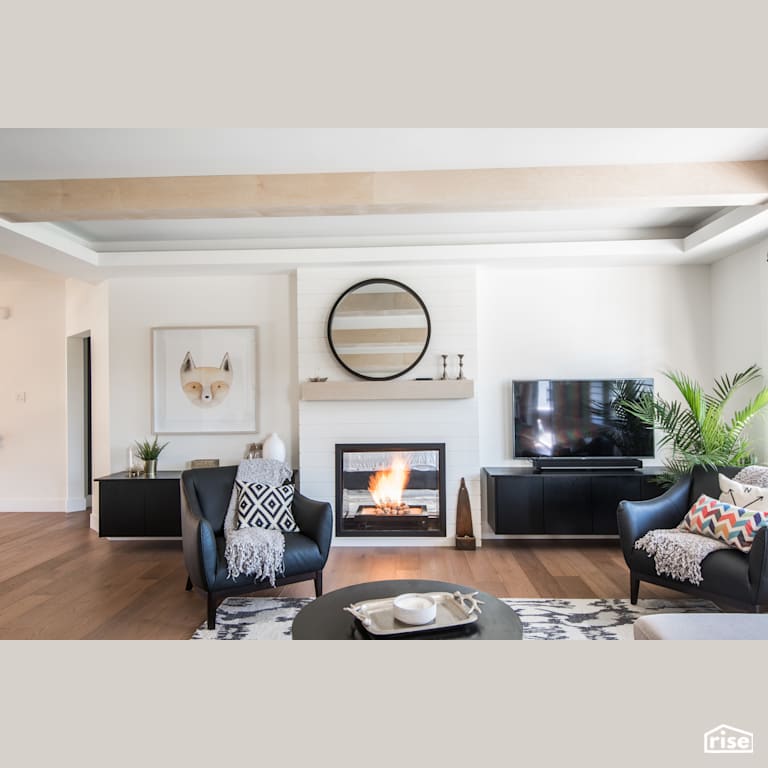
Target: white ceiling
337, 231
104, 248
52, 153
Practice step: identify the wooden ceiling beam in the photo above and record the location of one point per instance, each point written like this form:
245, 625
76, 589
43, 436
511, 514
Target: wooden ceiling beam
444, 191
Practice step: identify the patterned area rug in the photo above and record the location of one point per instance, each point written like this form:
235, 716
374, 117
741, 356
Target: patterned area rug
270, 618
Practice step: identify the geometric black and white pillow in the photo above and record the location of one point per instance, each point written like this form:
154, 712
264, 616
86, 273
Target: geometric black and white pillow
265, 506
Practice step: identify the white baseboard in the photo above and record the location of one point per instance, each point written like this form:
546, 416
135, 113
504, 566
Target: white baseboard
33, 505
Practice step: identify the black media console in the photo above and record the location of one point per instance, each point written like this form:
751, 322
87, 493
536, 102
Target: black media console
521, 500
138, 507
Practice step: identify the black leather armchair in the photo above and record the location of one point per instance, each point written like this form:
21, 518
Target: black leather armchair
204, 502
729, 577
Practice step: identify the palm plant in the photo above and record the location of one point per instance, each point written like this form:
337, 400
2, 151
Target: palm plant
696, 428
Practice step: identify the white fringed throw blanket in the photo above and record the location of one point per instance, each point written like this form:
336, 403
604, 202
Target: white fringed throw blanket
678, 554
256, 552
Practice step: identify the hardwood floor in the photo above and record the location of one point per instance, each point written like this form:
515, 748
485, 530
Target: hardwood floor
59, 580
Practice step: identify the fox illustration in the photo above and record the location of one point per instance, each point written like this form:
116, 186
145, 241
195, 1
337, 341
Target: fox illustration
206, 386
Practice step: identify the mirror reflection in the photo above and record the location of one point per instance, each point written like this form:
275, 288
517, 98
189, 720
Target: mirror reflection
379, 329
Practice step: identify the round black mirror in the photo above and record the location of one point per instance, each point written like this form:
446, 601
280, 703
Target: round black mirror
379, 329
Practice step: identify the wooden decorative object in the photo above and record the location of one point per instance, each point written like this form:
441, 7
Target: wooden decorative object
464, 536
203, 463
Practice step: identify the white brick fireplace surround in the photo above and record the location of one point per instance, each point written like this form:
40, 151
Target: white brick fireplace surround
450, 297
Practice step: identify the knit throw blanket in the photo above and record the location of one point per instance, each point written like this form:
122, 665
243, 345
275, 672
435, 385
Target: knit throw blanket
678, 554
754, 474
256, 552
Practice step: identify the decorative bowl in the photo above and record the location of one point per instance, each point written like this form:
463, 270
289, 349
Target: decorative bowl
413, 608
318, 378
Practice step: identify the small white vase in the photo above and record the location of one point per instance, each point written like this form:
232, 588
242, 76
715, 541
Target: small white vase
273, 448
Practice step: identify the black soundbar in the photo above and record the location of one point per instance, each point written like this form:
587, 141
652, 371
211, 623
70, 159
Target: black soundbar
541, 464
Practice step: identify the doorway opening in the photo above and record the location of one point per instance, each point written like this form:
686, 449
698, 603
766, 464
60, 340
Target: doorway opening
79, 423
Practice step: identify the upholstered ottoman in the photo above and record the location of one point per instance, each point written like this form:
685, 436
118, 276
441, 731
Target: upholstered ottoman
702, 626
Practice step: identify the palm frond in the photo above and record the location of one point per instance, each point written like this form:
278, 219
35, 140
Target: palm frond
642, 408
741, 418
725, 386
695, 428
691, 391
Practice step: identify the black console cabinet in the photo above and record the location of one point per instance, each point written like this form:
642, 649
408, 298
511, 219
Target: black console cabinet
562, 502
140, 506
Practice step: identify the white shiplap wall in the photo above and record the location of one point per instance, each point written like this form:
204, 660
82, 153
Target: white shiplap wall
450, 297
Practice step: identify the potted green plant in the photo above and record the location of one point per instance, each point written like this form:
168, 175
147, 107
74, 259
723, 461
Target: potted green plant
696, 428
148, 453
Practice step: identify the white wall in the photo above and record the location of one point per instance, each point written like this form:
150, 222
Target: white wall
584, 323
449, 294
509, 322
118, 315
33, 431
740, 324
137, 305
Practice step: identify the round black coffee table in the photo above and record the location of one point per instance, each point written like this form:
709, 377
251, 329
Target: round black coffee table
325, 618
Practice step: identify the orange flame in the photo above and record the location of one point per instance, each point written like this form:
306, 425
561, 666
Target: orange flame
387, 485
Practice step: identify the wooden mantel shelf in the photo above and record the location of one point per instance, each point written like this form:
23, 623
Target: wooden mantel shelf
450, 389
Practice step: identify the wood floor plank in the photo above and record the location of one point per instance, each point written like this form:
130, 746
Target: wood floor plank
59, 580
537, 572
574, 586
511, 573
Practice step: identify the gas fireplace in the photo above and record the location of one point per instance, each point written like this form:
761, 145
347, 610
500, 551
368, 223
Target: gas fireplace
390, 489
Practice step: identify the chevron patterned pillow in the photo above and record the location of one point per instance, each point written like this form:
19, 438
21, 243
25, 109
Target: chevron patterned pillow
265, 506
717, 519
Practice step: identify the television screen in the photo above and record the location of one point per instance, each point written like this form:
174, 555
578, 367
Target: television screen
579, 418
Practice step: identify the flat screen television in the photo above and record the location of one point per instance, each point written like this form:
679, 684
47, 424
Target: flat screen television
560, 418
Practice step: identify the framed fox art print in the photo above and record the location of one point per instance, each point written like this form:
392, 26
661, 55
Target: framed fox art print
205, 380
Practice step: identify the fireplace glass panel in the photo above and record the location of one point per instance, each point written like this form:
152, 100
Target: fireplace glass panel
390, 490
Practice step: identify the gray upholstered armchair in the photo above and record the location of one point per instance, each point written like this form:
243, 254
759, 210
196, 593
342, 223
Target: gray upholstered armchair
729, 577
204, 501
